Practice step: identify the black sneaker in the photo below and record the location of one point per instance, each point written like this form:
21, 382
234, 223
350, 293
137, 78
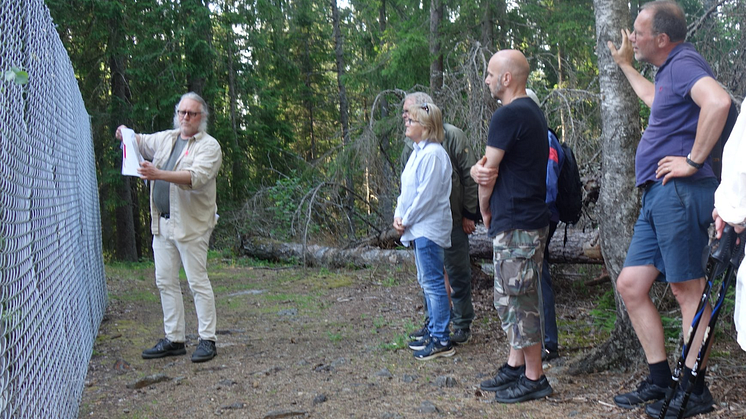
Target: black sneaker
505, 376
698, 403
419, 334
523, 390
646, 391
419, 344
205, 351
461, 336
164, 347
434, 349
549, 355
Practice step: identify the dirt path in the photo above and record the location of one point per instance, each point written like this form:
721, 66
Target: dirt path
320, 344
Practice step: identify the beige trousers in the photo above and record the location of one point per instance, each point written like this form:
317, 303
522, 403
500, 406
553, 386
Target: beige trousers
169, 256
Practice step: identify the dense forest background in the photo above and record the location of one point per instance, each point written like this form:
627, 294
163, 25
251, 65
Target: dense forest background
306, 96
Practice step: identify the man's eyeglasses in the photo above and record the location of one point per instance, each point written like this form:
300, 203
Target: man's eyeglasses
188, 113
425, 108
411, 121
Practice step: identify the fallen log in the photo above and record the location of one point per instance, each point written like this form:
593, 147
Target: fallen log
582, 247
276, 251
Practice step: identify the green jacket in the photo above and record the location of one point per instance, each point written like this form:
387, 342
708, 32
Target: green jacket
464, 200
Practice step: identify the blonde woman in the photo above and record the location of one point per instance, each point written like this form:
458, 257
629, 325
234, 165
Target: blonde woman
423, 218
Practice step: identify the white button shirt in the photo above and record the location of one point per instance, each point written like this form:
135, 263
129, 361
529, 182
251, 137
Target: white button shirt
730, 201
424, 204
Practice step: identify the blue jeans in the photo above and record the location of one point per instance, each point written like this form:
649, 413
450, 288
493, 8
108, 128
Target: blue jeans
458, 266
429, 260
549, 319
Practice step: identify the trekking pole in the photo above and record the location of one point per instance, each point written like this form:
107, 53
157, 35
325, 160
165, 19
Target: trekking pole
735, 262
719, 262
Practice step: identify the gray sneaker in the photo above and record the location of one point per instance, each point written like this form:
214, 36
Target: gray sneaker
461, 336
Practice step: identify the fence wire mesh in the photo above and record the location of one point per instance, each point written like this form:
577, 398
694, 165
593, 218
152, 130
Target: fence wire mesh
52, 288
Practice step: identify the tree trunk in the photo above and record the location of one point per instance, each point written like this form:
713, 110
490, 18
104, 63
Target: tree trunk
126, 244
487, 26
237, 172
436, 66
198, 45
618, 199
343, 115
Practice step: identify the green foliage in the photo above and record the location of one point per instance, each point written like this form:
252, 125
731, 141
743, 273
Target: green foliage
604, 315
267, 69
16, 75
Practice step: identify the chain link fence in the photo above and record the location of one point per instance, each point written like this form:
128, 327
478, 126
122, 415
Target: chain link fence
52, 288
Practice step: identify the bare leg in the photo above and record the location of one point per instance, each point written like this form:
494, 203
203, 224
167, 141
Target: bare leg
634, 284
688, 295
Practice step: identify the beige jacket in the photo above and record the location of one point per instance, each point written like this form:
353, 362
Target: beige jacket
193, 207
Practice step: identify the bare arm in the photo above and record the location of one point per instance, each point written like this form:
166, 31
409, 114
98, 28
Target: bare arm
493, 157
714, 104
623, 57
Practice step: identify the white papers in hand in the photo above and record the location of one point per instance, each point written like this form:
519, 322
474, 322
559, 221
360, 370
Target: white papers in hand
131, 157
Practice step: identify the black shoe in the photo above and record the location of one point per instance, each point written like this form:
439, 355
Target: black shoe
523, 390
205, 351
698, 403
419, 344
434, 349
549, 355
646, 391
164, 347
505, 377
461, 336
419, 334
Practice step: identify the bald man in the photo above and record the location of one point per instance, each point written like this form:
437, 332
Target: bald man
512, 192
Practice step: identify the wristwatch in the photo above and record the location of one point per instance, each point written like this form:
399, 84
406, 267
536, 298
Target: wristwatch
692, 163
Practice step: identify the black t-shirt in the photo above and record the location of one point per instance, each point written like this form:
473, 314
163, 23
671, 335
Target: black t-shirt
518, 199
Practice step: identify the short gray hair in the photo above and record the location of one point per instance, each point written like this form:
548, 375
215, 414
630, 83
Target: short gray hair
419, 98
205, 110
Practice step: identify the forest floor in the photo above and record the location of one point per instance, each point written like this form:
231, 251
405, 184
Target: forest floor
316, 343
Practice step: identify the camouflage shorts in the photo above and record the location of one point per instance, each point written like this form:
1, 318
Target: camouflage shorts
518, 257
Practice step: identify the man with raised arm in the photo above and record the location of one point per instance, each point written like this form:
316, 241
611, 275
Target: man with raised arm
185, 164
688, 110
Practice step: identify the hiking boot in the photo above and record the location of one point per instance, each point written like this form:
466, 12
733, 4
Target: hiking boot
419, 344
205, 351
434, 349
461, 336
419, 334
646, 391
547, 355
505, 376
164, 347
524, 389
698, 403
